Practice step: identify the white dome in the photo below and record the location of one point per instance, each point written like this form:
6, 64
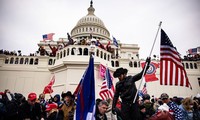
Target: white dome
90, 25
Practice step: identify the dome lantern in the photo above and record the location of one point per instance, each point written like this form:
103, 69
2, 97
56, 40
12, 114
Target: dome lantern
91, 9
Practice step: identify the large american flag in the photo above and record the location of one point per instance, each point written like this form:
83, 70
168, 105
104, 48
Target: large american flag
172, 71
107, 88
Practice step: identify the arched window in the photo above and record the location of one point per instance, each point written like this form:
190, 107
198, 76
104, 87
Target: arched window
104, 56
80, 51
187, 66
50, 61
108, 57
183, 65
191, 65
26, 61
97, 52
60, 54
195, 65
117, 63
21, 61
135, 64
139, 64
64, 54
130, 64
11, 60
112, 63
67, 51
36, 61
54, 61
16, 60
85, 51
73, 51
31, 61
101, 54
7, 60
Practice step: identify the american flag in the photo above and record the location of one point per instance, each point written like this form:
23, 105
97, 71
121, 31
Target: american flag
193, 51
172, 71
48, 36
144, 89
107, 88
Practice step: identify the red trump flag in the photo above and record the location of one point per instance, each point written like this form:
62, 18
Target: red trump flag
48, 89
151, 72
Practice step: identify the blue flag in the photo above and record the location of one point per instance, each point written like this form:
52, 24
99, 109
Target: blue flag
85, 108
115, 42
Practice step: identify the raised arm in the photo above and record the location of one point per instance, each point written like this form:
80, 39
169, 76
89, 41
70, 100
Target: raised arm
139, 75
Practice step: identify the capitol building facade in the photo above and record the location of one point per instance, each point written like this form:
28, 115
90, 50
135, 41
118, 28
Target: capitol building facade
25, 74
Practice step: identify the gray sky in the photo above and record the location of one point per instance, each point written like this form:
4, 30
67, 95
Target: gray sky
23, 22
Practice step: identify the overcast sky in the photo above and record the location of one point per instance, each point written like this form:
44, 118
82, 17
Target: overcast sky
23, 22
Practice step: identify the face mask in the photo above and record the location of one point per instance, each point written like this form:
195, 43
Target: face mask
191, 106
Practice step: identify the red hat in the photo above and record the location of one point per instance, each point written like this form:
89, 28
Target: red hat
32, 96
51, 106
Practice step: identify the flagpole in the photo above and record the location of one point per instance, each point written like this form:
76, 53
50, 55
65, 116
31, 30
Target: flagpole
159, 26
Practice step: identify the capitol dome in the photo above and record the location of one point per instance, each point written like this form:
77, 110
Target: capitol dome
90, 25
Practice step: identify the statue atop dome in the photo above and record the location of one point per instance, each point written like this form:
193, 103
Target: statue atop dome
91, 9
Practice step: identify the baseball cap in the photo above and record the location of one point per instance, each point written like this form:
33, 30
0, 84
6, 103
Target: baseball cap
164, 96
32, 96
51, 106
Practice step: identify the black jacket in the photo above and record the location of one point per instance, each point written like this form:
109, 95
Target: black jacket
56, 115
31, 112
126, 89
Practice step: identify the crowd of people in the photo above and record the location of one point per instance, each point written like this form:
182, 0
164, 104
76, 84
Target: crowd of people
190, 57
90, 42
15, 106
42, 51
126, 104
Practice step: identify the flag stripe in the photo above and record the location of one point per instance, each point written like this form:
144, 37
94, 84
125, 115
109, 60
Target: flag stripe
107, 88
48, 36
172, 71
144, 89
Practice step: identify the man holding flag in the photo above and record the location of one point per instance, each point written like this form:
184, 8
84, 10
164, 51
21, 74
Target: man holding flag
127, 90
